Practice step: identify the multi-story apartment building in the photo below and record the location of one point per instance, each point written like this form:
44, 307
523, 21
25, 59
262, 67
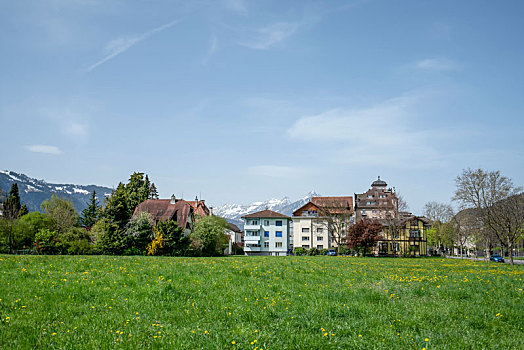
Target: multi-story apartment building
379, 202
322, 222
266, 233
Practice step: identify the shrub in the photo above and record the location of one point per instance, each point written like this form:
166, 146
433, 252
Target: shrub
344, 250
300, 251
46, 242
313, 251
322, 251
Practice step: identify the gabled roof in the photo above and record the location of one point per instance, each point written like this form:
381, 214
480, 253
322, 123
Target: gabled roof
270, 214
333, 205
164, 209
234, 228
200, 207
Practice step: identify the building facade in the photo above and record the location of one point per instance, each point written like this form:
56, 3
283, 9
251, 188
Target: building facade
322, 223
266, 233
410, 239
379, 202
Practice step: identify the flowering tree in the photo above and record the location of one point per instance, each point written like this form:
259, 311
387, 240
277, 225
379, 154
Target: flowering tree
364, 235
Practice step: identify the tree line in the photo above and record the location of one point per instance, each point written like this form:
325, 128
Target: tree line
105, 228
491, 215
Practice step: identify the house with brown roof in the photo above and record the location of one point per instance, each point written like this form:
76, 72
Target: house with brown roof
175, 209
322, 223
266, 233
379, 202
199, 207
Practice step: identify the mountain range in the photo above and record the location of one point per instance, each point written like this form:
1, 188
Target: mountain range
234, 212
33, 192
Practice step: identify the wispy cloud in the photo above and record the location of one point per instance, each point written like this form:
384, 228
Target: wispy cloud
43, 149
122, 44
238, 6
267, 37
383, 134
213, 47
438, 64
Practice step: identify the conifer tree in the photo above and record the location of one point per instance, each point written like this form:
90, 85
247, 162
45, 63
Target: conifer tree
153, 193
116, 210
23, 211
90, 214
12, 205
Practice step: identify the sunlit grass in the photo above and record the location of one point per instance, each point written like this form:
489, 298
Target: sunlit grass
258, 302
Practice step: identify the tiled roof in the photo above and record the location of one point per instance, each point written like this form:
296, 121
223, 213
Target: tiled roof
266, 214
163, 210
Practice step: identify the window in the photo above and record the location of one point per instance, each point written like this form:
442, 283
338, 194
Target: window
305, 238
305, 229
371, 203
278, 244
370, 196
266, 244
363, 212
309, 213
320, 238
266, 222
253, 245
278, 234
278, 222
252, 222
266, 233
253, 233
320, 246
374, 211
319, 230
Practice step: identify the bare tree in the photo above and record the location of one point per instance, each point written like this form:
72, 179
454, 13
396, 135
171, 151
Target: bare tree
439, 214
336, 216
394, 220
498, 201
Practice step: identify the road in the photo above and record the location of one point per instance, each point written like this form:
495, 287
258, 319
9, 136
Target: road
506, 260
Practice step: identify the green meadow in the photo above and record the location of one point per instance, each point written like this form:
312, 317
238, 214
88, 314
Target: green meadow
71, 302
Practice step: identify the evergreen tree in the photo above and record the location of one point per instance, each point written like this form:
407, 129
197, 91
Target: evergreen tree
137, 191
23, 211
12, 205
153, 193
116, 210
90, 214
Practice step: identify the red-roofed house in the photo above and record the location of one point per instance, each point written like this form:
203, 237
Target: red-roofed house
178, 210
322, 222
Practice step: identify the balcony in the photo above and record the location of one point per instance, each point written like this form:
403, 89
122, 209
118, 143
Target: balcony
252, 227
252, 249
251, 239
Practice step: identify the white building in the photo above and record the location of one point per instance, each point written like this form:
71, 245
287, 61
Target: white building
322, 223
266, 233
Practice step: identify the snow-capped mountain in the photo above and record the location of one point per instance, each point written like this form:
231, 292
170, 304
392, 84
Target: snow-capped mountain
234, 212
33, 192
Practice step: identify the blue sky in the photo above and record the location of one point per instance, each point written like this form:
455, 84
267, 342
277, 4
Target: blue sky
249, 100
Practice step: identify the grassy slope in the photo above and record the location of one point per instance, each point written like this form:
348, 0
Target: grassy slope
266, 302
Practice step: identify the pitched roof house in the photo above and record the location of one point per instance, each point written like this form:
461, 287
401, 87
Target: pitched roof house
178, 210
199, 206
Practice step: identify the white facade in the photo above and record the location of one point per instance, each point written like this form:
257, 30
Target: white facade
311, 232
266, 236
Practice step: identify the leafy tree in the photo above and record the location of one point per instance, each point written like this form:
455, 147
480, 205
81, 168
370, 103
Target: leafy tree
12, 205
46, 241
364, 235
139, 231
174, 242
208, 238
7, 239
439, 214
28, 226
90, 214
62, 212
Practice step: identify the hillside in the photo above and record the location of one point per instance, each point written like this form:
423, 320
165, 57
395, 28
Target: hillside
33, 191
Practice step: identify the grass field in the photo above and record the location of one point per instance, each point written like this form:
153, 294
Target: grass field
259, 302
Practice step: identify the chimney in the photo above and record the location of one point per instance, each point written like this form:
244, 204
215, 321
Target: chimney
196, 200
173, 199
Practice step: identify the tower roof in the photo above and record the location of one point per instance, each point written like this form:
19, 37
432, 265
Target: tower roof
379, 183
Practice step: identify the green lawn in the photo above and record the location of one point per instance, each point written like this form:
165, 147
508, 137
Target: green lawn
101, 302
